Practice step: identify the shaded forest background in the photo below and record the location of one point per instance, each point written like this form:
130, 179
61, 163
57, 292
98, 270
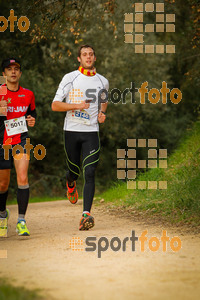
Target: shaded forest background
48, 50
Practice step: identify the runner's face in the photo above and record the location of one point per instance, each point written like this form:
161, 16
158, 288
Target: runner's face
87, 58
13, 73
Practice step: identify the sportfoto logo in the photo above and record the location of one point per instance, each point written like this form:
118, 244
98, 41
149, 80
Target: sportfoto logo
116, 244
23, 22
115, 95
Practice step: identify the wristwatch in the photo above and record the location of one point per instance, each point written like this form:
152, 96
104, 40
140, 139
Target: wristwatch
103, 112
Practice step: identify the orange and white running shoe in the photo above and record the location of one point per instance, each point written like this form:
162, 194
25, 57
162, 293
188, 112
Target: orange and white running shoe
72, 193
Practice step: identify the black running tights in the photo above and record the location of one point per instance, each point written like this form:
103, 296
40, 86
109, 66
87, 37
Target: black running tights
87, 144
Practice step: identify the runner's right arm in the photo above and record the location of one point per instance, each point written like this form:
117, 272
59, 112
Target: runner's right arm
3, 108
62, 92
3, 103
61, 106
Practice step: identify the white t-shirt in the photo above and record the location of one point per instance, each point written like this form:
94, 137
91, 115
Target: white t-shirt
74, 88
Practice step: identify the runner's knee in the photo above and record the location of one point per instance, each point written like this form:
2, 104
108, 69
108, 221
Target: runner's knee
90, 173
22, 179
4, 185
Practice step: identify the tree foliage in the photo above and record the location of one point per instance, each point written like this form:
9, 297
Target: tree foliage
48, 50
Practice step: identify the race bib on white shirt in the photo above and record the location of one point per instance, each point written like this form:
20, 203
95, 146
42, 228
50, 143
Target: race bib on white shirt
15, 126
79, 116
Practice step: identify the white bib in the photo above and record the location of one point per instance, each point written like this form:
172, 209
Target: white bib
15, 126
79, 116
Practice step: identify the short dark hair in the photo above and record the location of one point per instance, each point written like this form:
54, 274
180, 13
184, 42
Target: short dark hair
85, 46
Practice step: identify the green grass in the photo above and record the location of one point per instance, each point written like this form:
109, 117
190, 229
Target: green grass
181, 201
8, 292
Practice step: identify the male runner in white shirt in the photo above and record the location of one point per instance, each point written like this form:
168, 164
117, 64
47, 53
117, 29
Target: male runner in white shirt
84, 111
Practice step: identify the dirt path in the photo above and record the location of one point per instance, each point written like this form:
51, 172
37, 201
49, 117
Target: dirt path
45, 260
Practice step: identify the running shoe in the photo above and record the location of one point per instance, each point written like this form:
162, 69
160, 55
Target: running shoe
72, 193
86, 222
4, 224
22, 229
8, 214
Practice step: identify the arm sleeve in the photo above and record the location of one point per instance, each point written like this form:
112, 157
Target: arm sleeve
31, 109
63, 89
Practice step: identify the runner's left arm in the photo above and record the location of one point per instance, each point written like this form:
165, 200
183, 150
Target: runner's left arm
103, 106
31, 113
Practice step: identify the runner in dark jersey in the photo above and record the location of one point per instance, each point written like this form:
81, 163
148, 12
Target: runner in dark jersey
17, 105
81, 127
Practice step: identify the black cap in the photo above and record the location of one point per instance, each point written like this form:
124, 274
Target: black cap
9, 61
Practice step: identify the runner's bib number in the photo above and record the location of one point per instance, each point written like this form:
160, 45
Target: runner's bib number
79, 116
15, 126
